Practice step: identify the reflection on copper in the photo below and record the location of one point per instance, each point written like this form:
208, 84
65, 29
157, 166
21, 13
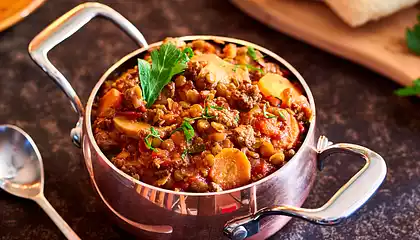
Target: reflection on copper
253, 208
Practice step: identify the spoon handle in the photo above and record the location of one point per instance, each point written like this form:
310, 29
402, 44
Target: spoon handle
57, 219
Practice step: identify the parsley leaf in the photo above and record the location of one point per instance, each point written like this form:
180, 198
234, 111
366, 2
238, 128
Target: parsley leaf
237, 118
217, 107
187, 129
282, 115
413, 37
410, 91
167, 61
250, 67
252, 53
184, 153
206, 114
153, 133
267, 114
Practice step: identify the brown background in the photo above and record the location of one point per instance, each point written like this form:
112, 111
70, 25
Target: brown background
354, 105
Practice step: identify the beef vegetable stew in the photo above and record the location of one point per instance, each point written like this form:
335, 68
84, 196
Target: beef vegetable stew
201, 116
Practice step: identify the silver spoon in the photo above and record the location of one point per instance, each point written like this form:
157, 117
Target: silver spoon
22, 173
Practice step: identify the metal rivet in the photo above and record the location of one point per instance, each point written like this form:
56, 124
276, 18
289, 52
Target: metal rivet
239, 233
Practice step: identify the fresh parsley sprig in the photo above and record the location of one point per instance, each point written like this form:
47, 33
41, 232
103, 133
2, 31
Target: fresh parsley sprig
167, 61
187, 129
249, 66
186, 126
267, 114
217, 107
411, 90
252, 53
153, 133
413, 37
281, 115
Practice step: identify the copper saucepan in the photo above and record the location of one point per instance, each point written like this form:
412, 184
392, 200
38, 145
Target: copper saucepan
254, 211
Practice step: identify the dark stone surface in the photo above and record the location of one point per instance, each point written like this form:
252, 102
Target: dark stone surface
354, 105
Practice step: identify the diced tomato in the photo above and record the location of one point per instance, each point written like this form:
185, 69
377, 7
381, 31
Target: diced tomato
142, 146
262, 169
161, 157
274, 101
142, 108
159, 153
301, 127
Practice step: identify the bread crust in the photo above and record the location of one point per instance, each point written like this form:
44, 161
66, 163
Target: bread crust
358, 12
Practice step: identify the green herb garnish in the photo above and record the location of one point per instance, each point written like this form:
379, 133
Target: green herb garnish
237, 118
191, 119
184, 153
187, 129
250, 67
206, 114
252, 53
217, 107
413, 37
410, 91
153, 133
281, 115
267, 114
167, 61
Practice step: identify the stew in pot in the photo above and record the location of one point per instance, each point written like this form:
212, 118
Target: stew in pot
200, 116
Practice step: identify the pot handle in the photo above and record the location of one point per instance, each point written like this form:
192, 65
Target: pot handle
350, 197
63, 28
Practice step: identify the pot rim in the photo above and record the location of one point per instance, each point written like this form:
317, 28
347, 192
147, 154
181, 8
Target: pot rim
104, 77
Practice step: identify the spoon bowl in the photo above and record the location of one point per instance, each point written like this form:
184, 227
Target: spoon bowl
21, 169
22, 172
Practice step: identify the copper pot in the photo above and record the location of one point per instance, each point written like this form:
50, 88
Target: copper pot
254, 211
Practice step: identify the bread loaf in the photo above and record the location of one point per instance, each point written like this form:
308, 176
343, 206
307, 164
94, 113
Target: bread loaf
358, 12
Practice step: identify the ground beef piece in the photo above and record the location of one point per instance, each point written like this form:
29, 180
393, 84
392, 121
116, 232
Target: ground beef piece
193, 69
128, 80
229, 118
167, 92
246, 97
244, 136
102, 123
105, 140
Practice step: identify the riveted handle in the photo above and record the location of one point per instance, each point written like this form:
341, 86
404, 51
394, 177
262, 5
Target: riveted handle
350, 197
63, 28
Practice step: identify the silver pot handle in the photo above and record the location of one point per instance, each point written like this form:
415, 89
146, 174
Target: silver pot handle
344, 203
63, 28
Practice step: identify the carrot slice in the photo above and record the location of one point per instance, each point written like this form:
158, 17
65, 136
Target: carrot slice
231, 168
130, 127
112, 99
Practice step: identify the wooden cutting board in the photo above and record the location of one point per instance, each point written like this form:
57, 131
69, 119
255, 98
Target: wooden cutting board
379, 45
13, 11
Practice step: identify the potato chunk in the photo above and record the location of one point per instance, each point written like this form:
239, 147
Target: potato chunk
129, 127
231, 168
273, 85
